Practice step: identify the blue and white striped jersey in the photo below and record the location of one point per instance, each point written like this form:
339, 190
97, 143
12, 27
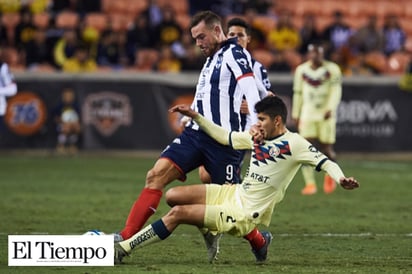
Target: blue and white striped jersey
261, 75
225, 78
7, 86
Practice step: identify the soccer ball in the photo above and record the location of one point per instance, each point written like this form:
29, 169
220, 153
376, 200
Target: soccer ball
94, 232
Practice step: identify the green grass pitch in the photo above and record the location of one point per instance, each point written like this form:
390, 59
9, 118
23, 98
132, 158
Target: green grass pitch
368, 230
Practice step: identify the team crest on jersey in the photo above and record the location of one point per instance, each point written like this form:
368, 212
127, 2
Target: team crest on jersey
262, 154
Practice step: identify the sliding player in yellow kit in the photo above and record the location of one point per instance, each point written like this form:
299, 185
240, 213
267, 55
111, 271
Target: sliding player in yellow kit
237, 209
317, 91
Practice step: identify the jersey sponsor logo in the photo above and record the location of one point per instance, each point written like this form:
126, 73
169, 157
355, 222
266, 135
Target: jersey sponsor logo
107, 111
26, 113
259, 177
263, 153
147, 235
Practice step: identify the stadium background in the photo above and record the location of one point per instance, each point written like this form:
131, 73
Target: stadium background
127, 108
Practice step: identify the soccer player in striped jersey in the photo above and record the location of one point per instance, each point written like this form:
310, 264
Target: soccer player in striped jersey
7, 88
238, 209
240, 29
317, 91
225, 78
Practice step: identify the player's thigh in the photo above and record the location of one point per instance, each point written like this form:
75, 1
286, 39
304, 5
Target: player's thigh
161, 174
191, 194
327, 131
308, 129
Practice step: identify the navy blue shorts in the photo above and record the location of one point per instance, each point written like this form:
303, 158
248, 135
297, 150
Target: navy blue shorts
195, 148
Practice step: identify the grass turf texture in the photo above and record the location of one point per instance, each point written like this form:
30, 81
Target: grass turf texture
368, 230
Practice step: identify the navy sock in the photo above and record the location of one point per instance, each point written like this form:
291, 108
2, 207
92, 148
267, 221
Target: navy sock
160, 229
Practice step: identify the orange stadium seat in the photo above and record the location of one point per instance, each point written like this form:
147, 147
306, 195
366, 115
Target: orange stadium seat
264, 23
135, 7
180, 6
361, 8
385, 7
96, 20
265, 57
306, 6
183, 20
329, 7
120, 22
67, 19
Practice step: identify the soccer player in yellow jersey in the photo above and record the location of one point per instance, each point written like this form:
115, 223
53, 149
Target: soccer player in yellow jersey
317, 91
237, 209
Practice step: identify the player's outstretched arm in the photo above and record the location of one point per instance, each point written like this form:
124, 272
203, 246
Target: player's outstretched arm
349, 183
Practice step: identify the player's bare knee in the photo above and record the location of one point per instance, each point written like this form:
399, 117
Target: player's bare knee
176, 213
171, 197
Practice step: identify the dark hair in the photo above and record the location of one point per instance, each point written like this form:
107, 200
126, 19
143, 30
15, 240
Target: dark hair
210, 19
272, 106
240, 23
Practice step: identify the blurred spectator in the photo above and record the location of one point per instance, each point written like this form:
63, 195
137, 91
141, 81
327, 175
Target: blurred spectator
285, 36
257, 35
283, 41
369, 37
10, 6
193, 60
80, 61
153, 13
261, 6
63, 5
367, 44
336, 35
37, 51
168, 61
65, 47
395, 36
66, 116
85, 6
309, 33
24, 31
38, 6
3, 33
168, 31
111, 50
139, 35
145, 60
